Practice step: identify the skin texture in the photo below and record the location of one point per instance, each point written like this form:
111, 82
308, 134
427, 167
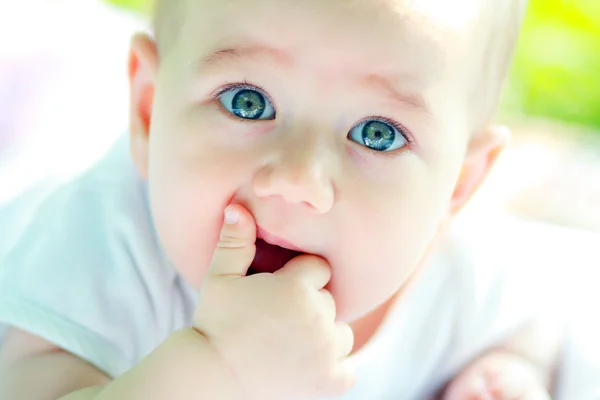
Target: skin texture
299, 175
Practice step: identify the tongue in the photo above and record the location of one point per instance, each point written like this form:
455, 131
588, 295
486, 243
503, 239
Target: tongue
270, 258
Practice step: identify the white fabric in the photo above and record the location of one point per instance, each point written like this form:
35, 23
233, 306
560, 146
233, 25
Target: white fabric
87, 273
580, 370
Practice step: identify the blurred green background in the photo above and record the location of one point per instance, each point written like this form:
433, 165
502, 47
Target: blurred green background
556, 73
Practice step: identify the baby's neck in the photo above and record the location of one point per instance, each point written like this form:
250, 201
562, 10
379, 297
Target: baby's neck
366, 327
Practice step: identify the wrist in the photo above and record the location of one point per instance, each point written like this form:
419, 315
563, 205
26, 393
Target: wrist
193, 352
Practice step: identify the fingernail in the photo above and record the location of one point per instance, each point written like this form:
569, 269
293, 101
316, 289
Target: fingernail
231, 216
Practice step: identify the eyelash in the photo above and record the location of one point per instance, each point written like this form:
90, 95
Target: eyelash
239, 85
247, 85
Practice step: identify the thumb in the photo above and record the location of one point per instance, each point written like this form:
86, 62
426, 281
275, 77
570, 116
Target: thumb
237, 244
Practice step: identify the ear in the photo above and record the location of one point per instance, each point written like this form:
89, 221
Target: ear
484, 149
143, 68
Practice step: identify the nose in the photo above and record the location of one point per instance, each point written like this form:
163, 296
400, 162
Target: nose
297, 175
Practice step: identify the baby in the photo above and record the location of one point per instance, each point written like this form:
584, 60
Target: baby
281, 228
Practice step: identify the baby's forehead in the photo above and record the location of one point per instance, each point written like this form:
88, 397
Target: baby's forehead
438, 15
345, 35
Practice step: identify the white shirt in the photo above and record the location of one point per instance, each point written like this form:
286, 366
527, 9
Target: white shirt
87, 273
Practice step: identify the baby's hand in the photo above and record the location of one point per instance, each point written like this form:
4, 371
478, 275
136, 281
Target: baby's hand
276, 332
498, 376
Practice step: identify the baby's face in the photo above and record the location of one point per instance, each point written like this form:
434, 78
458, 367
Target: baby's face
341, 125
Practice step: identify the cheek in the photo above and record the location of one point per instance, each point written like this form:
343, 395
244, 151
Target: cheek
383, 242
188, 196
187, 223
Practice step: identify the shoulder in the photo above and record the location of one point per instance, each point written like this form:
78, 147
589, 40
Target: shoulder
74, 215
86, 270
102, 193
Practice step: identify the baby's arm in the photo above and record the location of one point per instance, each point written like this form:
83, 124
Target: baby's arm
33, 369
182, 367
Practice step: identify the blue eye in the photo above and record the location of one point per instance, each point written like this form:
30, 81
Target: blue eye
247, 103
378, 135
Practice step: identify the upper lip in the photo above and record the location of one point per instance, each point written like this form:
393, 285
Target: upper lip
276, 240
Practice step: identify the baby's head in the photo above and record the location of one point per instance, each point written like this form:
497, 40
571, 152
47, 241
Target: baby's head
352, 129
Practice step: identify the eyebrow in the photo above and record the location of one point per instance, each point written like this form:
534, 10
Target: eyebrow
385, 86
376, 82
230, 54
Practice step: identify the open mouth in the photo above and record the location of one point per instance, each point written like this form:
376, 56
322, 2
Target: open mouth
270, 258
